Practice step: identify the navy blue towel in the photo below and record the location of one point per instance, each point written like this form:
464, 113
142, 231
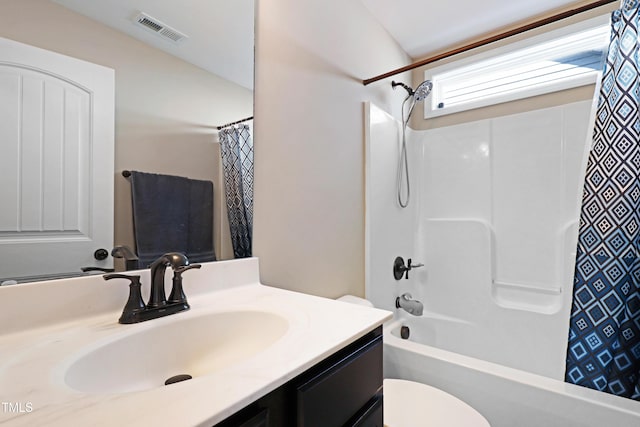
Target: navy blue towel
172, 214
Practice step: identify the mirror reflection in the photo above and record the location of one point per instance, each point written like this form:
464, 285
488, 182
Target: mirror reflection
170, 94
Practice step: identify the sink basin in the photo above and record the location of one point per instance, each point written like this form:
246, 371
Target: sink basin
194, 346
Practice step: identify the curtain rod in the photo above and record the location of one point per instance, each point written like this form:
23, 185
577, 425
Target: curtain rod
488, 40
234, 123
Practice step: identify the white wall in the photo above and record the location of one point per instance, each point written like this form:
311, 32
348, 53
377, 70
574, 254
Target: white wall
309, 194
391, 231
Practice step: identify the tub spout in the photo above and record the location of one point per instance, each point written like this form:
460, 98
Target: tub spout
408, 304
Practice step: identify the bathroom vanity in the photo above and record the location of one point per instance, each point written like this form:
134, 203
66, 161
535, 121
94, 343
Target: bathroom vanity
258, 355
343, 390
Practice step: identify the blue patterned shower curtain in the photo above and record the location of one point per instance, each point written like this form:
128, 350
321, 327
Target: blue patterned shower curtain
604, 336
236, 148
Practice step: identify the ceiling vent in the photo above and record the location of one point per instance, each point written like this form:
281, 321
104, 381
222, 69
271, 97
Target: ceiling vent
152, 24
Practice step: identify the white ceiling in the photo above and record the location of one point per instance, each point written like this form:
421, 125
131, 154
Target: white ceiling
220, 31
422, 27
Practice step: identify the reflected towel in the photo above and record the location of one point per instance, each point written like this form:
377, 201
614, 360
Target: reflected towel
172, 214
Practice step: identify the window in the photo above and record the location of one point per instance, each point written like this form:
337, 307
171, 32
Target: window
562, 59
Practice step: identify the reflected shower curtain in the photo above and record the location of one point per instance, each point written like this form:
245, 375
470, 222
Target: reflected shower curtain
236, 148
604, 336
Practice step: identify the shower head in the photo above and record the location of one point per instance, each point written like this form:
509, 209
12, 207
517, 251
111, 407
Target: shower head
423, 90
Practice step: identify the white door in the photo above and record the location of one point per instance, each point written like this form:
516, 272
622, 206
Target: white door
56, 161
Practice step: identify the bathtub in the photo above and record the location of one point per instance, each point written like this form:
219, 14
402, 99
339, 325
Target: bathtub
505, 396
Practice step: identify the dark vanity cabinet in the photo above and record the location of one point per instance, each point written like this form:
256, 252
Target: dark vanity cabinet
344, 390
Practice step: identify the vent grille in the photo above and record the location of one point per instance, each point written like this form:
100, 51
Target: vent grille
172, 34
149, 23
158, 27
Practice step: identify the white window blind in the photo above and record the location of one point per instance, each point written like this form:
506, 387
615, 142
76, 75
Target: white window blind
555, 61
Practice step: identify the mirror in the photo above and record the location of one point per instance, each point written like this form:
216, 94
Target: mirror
170, 96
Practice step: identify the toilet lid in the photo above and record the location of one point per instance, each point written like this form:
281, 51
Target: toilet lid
412, 404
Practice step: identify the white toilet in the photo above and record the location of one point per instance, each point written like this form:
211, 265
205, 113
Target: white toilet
413, 404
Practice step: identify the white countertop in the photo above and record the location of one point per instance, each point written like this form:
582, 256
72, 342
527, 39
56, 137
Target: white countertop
34, 358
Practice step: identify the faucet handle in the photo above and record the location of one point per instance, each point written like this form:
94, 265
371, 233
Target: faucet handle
400, 270
411, 265
135, 303
91, 268
131, 278
177, 295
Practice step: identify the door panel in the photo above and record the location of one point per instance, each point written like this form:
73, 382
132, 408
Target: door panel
57, 136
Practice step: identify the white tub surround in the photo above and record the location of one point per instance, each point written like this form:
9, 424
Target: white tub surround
494, 221
47, 326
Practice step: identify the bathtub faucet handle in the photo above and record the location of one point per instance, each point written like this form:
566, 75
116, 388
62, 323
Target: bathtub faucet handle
410, 266
400, 270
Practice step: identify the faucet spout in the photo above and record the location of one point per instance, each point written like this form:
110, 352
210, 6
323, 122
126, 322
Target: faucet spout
408, 304
157, 296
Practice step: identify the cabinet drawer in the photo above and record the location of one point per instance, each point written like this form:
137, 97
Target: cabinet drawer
372, 415
259, 420
249, 417
339, 391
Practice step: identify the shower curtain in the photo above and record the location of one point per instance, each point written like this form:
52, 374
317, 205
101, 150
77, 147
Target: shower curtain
236, 148
604, 336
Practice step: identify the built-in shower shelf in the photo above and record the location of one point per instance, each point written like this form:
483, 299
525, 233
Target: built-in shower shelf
538, 298
556, 290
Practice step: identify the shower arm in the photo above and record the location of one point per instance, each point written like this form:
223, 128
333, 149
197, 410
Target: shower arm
394, 84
